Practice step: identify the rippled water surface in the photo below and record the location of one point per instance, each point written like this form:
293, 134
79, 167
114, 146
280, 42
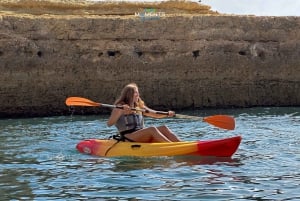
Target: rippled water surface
39, 160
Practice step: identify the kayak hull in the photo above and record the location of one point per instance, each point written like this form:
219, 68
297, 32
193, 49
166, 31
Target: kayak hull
111, 148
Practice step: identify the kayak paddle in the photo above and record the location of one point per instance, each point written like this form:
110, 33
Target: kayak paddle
221, 121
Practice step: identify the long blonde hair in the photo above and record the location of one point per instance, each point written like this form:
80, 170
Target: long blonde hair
127, 95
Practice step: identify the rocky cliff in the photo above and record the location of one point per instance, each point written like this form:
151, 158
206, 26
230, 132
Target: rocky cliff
180, 58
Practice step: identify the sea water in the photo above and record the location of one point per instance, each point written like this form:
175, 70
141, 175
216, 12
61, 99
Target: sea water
39, 160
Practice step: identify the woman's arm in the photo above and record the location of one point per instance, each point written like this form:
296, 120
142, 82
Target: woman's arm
153, 113
114, 116
116, 113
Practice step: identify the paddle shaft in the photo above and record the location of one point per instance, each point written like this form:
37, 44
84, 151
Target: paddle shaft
221, 121
134, 109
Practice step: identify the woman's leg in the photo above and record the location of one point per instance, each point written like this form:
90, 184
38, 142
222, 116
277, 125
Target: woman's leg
168, 133
151, 134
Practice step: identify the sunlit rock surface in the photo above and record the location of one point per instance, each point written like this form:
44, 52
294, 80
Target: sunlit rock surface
181, 54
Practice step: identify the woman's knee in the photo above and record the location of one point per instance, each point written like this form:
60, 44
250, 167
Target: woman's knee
163, 128
153, 129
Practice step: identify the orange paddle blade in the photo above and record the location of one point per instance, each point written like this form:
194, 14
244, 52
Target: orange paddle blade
221, 121
79, 101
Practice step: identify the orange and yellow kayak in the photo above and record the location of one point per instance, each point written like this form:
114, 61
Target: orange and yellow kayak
111, 148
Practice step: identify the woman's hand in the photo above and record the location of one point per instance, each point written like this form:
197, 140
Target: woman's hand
127, 109
171, 113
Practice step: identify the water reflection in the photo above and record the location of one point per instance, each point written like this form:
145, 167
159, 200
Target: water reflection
127, 164
13, 186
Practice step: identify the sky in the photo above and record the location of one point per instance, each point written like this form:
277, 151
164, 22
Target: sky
247, 7
256, 7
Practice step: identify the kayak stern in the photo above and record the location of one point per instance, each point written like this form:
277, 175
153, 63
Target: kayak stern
220, 147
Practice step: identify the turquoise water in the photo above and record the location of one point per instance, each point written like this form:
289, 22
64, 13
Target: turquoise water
39, 160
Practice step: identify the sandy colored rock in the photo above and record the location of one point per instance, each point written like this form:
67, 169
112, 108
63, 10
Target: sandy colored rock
179, 60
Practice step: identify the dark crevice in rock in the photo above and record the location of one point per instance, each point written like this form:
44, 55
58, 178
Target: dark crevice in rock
113, 53
196, 53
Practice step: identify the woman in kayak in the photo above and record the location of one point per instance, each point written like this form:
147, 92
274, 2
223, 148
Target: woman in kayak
130, 123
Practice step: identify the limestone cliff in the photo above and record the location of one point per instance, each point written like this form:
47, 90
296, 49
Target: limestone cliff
181, 57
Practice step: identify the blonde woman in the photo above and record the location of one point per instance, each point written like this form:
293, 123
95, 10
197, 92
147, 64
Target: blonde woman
130, 123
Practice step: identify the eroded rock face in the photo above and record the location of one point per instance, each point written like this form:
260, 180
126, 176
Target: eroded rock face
182, 61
